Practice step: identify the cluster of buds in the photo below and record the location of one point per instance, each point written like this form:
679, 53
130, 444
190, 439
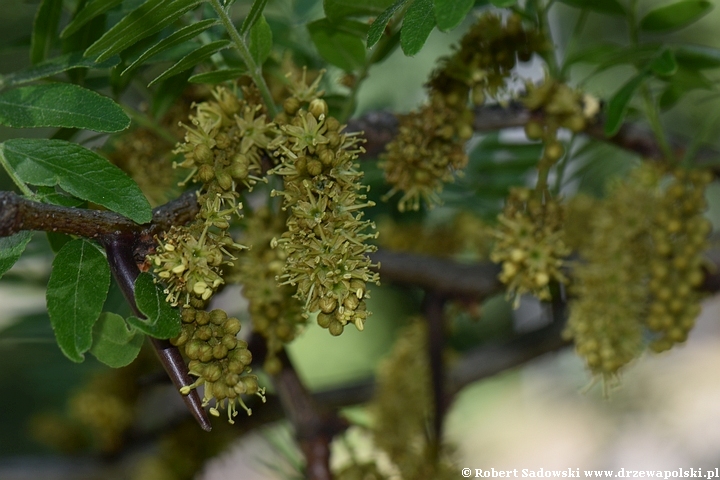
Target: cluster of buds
555, 105
275, 313
430, 145
219, 360
638, 278
679, 238
325, 240
530, 244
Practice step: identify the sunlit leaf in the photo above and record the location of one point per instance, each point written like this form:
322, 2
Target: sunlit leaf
419, 21
61, 105
114, 344
78, 171
176, 38
193, 58
675, 16
76, 292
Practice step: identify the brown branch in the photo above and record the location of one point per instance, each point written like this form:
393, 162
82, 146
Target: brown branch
125, 271
315, 427
433, 306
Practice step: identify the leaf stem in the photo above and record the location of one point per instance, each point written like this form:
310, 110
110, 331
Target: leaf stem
254, 70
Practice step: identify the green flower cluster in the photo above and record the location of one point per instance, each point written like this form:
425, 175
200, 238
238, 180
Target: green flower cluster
639, 271
219, 360
530, 244
430, 145
679, 238
400, 426
275, 313
560, 106
325, 240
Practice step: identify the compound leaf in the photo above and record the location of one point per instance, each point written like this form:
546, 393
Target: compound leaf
218, 76
76, 292
191, 59
253, 16
78, 171
44, 30
185, 33
149, 18
88, 12
61, 105
53, 67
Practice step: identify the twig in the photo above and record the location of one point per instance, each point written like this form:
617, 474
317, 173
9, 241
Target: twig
125, 272
314, 426
433, 306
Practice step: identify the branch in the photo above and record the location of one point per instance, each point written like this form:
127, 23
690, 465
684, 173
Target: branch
315, 427
125, 271
18, 213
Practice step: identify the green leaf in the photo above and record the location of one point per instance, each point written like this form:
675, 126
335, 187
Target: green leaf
76, 292
44, 31
61, 105
337, 9
378, 26
178, 37
253, 16
191, 59
163, 321
260, 41
149, 18
11, 248
664, 64
608, 7
617, 106
218, 76
698, 57
682, 82
675, 16
340, 42
594, 54
78, 171
114, 344
449, 13
418, 23
89, 11
502, 3
53, 67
